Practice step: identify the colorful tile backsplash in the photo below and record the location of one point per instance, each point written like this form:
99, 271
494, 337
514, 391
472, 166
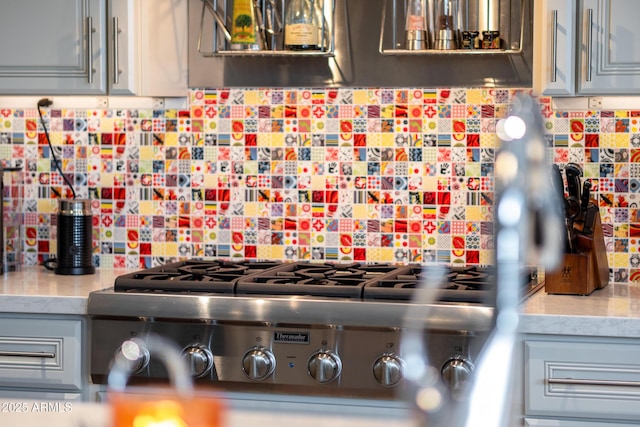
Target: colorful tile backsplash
374, 174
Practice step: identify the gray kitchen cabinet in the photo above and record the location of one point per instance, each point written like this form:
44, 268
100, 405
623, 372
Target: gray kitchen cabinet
611, 36
41, 356
53, 47
571, 381
123, 47
587, 47
93, 47
557, 46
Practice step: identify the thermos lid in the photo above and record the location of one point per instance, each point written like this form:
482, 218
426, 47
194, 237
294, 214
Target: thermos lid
74, 207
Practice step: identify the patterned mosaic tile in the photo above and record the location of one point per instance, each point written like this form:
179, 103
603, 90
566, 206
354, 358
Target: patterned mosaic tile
372, 174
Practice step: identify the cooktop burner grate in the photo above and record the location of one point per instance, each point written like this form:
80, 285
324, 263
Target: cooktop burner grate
191, 276
460, 284
390, 282
314, 279
473, 285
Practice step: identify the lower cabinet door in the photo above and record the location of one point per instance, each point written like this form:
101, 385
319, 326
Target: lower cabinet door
571, 379
41, 353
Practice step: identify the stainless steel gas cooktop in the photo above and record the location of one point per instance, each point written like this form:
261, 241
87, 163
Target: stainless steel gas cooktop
298, 327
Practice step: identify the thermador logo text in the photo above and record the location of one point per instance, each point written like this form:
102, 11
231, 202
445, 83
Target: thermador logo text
291, 337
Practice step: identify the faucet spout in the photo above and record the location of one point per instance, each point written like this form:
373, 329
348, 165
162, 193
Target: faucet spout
528, 223
528, 232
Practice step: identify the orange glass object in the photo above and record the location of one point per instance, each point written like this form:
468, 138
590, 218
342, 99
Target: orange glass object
165, 410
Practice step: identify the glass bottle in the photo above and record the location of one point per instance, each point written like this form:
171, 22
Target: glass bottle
244, 34
323, 25
301, 26
416, 25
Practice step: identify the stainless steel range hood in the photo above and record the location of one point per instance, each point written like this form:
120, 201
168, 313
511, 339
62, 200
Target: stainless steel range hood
365, 53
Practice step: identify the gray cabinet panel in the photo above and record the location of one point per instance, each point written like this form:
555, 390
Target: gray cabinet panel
41, 354
588, 47
137, 47
122, 47
609, 51
558, 46
34, 45
53, 47
571, 379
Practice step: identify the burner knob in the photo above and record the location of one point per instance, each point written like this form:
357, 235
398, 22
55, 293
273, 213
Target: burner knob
387, 370
456, 373
199, 359
258, 363
324, 366
135, 354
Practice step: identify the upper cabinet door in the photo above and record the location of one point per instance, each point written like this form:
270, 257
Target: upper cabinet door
556, 46
53, 47
123, 47
609, 40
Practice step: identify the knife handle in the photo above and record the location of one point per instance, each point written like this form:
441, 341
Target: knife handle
557, 184
586, 196
556, 180
573, 172
590, 219
584, 234
569, 244
573, 208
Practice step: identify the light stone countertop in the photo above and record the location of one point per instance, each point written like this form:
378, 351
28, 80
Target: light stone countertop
38, 290
613, 311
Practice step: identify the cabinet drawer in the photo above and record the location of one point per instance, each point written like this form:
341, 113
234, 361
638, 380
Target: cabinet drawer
41, 353
582, 379
534, 422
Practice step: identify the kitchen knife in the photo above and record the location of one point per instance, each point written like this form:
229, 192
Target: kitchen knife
590, 219
585, 198
573, 173
558, 186
584, 238
556, 182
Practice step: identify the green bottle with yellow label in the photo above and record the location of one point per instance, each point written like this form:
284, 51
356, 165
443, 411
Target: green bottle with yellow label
244, 33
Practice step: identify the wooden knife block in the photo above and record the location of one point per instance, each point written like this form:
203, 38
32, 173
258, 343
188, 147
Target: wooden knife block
582, 273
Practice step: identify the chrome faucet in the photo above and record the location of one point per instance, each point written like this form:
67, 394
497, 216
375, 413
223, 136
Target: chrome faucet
529, 227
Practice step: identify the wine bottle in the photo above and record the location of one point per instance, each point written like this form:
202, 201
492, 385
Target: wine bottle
301, 26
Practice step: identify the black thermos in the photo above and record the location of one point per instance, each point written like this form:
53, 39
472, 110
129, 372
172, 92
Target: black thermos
75, 244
